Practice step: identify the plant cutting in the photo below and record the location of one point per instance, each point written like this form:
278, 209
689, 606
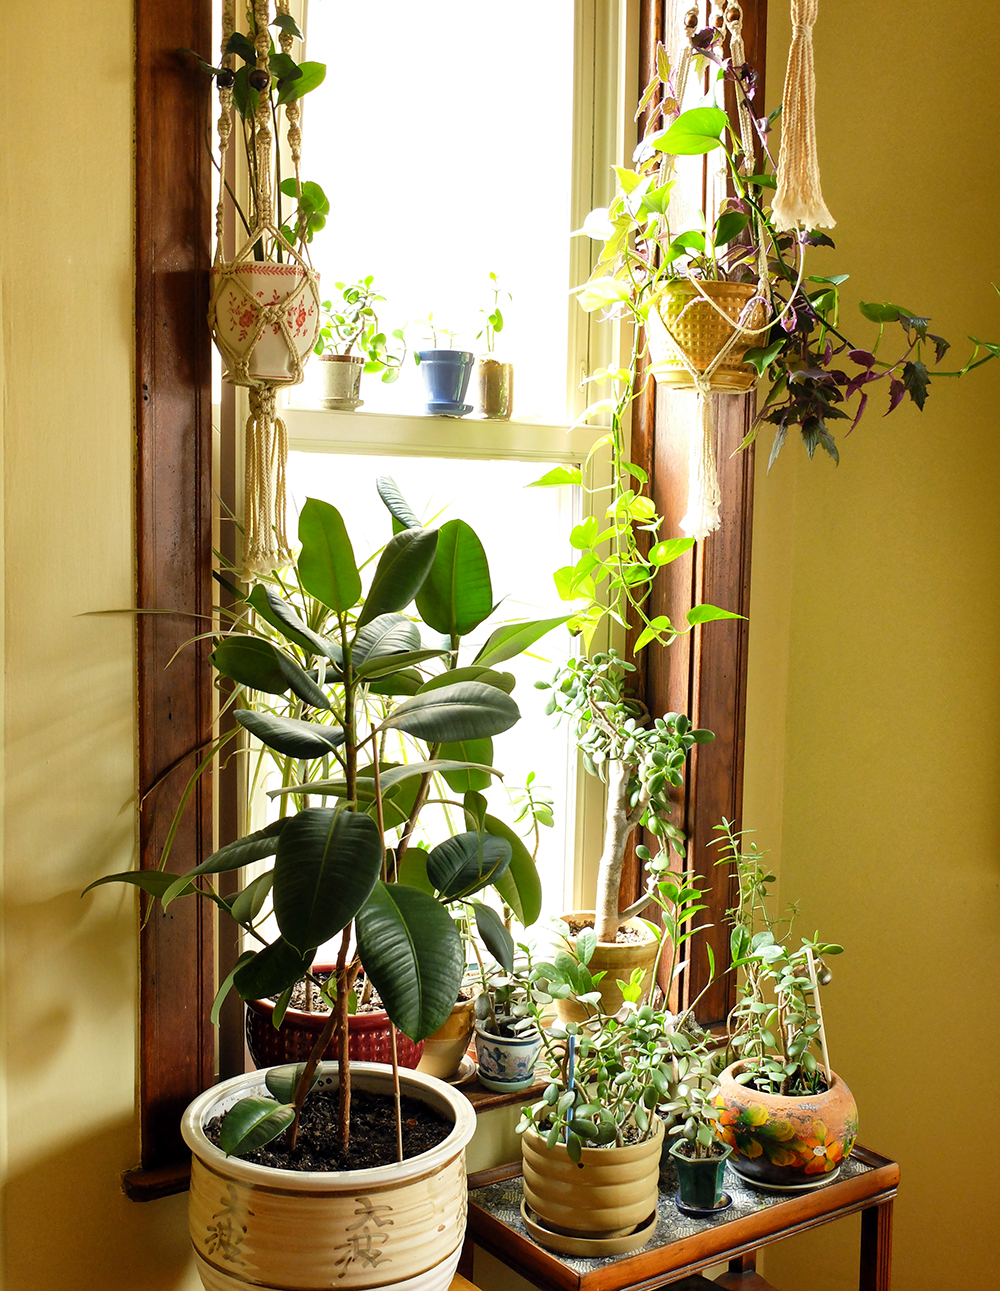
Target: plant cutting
494, 379
698, 1155
789, 1118
445, 372
508, 1039
639, 760
351, 323
371, 727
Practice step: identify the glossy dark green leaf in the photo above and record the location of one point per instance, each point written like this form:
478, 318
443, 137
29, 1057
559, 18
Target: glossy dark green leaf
467, 711
475, 672
272, 609
396, 503
401, 570
467, 780
474, 809
251, 1123
512, 638
413, 954
467, 863
412, 870
445, 764
155, 882
247, 905
520, 887
457, 594
272, 970
253, 847
286, 23
385, 635
384, 666
260, 665
496, 938
326, 865
326, 565
227, 986
311, 75
283, 1081
290, 735
407, 682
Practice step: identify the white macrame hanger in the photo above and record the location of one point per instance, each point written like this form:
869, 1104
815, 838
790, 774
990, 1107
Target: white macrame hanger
798, 201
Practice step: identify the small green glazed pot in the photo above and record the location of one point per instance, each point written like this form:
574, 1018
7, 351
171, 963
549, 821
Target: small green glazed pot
700, 1181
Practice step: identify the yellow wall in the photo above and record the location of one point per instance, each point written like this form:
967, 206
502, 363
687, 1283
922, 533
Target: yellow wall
873, 744
67, 1011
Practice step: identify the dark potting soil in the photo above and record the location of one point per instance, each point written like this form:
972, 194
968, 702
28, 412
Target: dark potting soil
624, 936
300, 1001
373, 1134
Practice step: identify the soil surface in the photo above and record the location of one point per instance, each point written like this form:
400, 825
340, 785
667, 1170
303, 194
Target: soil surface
319, 1006
624, 936
373, 1134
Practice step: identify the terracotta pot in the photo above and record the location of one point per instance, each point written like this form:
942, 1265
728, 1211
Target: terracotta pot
445, 1049
341, 375
613, 1192
506, 1064
701, 332
494, 388
239, 299
369, 1039
617, 960
402, 1225
785, 1142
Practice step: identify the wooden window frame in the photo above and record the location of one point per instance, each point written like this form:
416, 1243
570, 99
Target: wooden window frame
704, 675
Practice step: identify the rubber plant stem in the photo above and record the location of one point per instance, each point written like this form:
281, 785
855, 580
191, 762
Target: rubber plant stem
395, 1091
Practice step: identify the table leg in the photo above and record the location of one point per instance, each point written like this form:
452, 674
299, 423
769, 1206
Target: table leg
744, 1263
876, 1248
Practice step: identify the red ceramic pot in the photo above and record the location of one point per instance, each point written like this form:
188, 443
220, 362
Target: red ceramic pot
784, 1141
368, 1036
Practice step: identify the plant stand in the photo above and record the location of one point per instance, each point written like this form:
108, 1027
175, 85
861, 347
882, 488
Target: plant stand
681, 1247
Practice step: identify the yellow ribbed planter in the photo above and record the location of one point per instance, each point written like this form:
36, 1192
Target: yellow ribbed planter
701, 330
616, 960
281, 1230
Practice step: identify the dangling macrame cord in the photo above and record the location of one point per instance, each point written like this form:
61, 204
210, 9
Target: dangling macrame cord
798, 201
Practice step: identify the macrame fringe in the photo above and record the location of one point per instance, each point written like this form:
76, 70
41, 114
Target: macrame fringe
704, 495
798, 202
265, 543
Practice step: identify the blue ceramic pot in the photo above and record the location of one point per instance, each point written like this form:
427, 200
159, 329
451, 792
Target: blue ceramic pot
446, 376
506, 1065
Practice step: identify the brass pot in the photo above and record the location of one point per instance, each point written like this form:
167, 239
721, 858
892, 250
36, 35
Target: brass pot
495, 388
445, 1049
701, 331
616, 960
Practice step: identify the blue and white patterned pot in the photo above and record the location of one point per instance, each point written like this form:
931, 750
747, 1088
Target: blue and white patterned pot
506, 1065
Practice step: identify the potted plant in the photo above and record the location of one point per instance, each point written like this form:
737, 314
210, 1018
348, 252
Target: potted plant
351, 323
698, 1155
639, 760
494, 379
445, 372
789, 1118
508, 1040
340, 871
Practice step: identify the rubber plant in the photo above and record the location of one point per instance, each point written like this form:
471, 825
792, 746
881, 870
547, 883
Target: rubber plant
360, 715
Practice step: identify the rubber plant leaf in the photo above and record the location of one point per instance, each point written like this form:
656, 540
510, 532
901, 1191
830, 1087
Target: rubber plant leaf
496, 938
326, 565
260, 665
401, 570
467, 863
520, 887
467, 711
282, 1081
291, 735
475, 672
251, 1123
272, 970
400, 511
457, 593
512, 638
467, 779
385, 635
272, 609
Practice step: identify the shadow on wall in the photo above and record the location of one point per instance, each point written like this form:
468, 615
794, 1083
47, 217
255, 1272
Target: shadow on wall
70, 1228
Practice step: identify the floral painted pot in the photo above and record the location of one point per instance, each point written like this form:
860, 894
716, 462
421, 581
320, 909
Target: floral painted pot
248, 301
401, 1225
783, 1141
506, 1065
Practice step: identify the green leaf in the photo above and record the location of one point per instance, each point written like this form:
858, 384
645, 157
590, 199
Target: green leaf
155, 882
698, 130
456, 595
709, 614
729, 225
282, 66
245, 100
496, 938
327, 863
251, 662
412, 870
251, 1123
761, 359
312, 74
326, 565
476, 672
520, 886
242, 46
283, 1081
396, 503
512, 638
654, 629
290, 735
247, 905
401, 570
272, 609
390, 779
466, 711
388, 634
883, 313
227, 986
558, 476
272, 970
407, 682
467, 863
916, 379
586, 944
252, 847
374, 668
467, 780
662, 553
413, 955
286, 23
582, 535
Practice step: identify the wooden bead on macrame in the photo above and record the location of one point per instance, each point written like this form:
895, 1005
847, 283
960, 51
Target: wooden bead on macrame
259, 80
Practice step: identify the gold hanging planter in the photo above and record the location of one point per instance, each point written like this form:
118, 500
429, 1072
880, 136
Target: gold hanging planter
681, 321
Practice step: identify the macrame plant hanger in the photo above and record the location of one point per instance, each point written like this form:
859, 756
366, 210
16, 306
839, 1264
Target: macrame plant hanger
263, 318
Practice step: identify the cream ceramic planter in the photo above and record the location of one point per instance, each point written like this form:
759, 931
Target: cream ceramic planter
280, 1230
251, 298
617, 961
445, 1049
341, 375
613, 1192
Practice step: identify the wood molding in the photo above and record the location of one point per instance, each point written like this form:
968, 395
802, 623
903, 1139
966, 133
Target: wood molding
174, 552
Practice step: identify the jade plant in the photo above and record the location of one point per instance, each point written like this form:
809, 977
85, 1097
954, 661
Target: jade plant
351, 323
363, 721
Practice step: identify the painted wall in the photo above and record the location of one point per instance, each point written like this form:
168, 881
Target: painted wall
873, 744
68, 1004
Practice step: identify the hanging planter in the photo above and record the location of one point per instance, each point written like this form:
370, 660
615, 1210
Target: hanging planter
689, 324
266, 318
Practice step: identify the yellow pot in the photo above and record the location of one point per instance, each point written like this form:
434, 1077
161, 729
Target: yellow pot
618, 961
611, 1192
445, 1049
701, 331
402, 1224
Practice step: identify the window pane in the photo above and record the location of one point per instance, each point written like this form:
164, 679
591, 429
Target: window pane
442, 137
